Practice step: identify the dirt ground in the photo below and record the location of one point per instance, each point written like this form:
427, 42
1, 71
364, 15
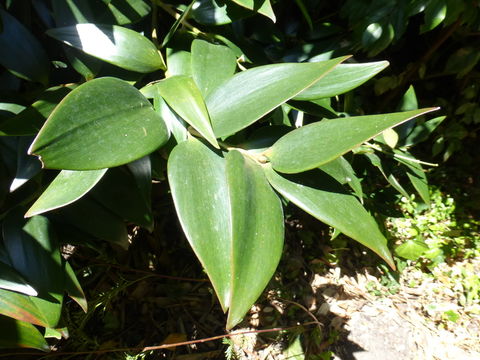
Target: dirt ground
374, 325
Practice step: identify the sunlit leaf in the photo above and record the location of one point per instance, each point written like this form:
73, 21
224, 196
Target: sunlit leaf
251, 94
324, 198
211, 65
65, 189
263, 7
114, 44
342, 79
98, 116
183, 96
315, 144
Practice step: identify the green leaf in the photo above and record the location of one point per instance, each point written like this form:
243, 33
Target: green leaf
198, 182
176, 24
416, 175
342, 79
257, 233
114, 44
73, 288
179, 62
27, 166
34, 252
251, 94
411, 249
324, 198
126, 11
435, 13
21, 307
238, 235
120, 193
66, 188
262, 7
98, 116
30, 120
211, 12
175, 124
315, 144
10, 279
211, 65
408, 102
421, 132
184, 97
22, 54
86, 65
92, 218
15, 333
341, 170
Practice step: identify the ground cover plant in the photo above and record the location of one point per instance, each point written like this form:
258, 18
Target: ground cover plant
238, 121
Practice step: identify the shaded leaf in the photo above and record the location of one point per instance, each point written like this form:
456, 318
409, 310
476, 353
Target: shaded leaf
31, 119
15, 333
120, 193
176, 24
175, 124
92, 218
315, 144
10, 279
33, 251
251, 94
341, 170
73, 288
22, 54
324, 198
416, 175
27, 166
95, 118
421, 132
114, 44
66, 188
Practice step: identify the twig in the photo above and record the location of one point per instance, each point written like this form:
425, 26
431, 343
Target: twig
164, 346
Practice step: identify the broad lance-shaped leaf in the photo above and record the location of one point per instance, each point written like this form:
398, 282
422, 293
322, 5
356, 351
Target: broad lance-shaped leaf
66, 188
184, 97
416, 174
119, 192
10, 279
324, 198
211, 65
342, 79
199, 188
15, 333
263, 7
30, 120
34, 252
21, 307
257, 233
22, 54
114, 44
92, 120
319, 143
232, 219
251, 94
